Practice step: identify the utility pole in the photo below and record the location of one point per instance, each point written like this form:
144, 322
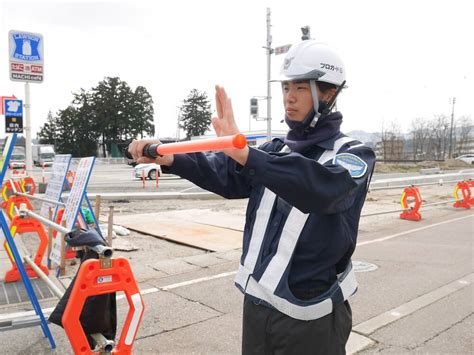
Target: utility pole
269, 94
451, 150
27, 128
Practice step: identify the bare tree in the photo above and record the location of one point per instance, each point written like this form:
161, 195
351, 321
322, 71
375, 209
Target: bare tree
420, 134
463, 134
392, 141
438, 137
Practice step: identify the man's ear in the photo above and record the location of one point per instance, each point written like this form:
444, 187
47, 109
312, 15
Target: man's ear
330, 94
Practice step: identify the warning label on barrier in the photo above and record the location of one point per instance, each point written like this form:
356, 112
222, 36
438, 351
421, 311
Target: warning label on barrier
104, 279
56, 184
78, 190
55, 255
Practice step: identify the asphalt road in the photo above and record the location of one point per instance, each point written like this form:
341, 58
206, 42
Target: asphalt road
415, 290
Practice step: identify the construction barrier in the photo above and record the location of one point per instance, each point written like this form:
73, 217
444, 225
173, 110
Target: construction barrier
22, 225
466, 201
16, 201
470, 183
70, 253
28, 185
8, 189
411, 213
96, 278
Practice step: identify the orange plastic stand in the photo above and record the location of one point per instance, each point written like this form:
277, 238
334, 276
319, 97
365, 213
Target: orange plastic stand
70, 254
92, 280
470, 183
466, 200
27, 225
7, 191
28, 185
16, 201
412, 214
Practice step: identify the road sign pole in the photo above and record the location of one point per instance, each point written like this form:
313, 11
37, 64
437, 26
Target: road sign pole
29, 163
269, 94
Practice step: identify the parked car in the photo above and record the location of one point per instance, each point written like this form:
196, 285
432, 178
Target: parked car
147, 170
467, 158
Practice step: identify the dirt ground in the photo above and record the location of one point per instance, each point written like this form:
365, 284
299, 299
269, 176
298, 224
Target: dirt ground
376, 201
146, 246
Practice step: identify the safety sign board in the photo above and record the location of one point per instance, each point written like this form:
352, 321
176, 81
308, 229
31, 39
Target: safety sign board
78, 191
13, 116
26, 56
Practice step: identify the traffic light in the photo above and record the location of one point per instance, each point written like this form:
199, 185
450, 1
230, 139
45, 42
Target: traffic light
306, 33
254, 106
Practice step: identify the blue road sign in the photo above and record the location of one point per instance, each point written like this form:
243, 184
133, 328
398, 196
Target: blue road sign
13, 116
13, 108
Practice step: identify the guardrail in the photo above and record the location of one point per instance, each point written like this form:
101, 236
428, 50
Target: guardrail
104, 160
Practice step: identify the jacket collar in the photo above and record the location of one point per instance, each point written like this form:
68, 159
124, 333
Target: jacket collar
328, 144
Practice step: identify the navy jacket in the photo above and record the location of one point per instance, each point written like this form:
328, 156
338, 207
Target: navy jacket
328, 192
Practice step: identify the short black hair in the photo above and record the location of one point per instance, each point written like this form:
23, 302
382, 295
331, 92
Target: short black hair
325, 86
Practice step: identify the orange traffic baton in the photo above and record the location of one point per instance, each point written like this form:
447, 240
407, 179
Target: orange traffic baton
27, 225
466, 200
97, 277
411, 213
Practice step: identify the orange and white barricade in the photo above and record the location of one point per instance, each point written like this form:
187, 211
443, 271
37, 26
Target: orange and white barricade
411, 213
98, 278
466, 201
27, 225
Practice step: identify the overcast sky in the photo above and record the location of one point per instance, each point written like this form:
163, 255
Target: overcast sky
404, 59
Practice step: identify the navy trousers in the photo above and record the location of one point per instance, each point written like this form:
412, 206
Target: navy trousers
268, 331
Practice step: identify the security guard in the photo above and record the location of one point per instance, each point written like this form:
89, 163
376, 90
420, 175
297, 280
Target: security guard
305, 198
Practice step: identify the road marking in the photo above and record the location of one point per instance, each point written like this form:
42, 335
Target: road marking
377, 322
207, 278
412, 231
195, 281
362, 327
181, 284
357, 342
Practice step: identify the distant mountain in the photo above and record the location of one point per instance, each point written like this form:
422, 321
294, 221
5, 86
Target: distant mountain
369, 138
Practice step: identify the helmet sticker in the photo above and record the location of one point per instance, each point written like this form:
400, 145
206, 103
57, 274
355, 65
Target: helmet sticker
352, 163
331, 67
287, 62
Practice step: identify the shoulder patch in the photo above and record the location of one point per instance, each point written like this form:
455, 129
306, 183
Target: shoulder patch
352, 163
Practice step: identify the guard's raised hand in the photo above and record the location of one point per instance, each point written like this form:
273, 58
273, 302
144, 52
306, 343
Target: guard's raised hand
224, 124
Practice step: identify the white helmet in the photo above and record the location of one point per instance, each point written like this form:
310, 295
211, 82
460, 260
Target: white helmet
314, 61
311, 60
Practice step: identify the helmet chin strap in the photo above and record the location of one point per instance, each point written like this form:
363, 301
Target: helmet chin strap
313, 115
314, 94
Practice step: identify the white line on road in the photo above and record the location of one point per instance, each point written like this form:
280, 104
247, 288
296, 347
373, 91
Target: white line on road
208, 278
371, 325
412, 231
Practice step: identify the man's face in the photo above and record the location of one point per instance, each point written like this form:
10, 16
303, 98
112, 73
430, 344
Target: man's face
297, 99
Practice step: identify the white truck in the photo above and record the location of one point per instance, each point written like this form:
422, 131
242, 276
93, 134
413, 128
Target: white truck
43, 154
17, 159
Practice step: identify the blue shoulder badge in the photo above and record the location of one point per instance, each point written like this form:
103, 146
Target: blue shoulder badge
352, 163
